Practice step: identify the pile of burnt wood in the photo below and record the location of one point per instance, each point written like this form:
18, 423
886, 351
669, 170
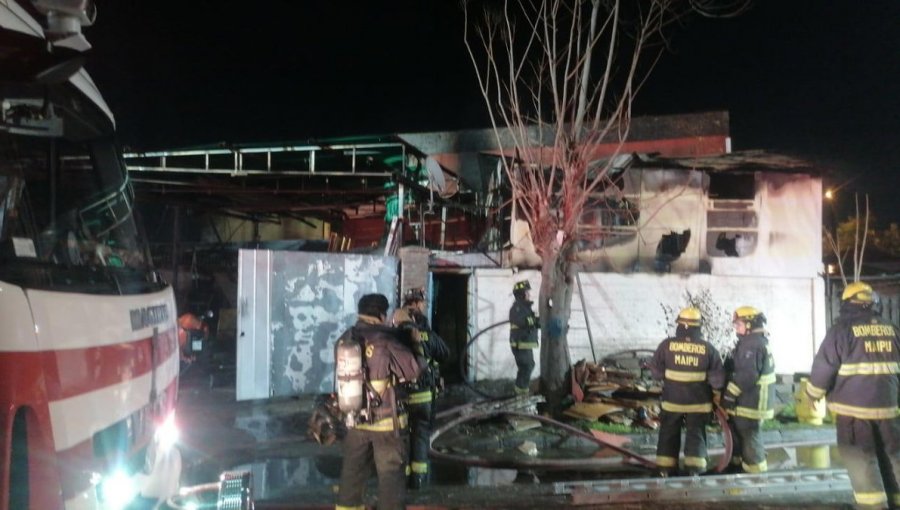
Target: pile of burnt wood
617, 390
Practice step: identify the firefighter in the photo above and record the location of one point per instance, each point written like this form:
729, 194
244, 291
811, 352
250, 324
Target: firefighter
523, 335
746, 397
434, 351
380, 440
857, 368
691, 370
189, 324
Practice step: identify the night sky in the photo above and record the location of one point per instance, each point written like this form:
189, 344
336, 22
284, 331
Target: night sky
816, 79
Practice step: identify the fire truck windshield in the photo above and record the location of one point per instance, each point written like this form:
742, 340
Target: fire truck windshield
65, 200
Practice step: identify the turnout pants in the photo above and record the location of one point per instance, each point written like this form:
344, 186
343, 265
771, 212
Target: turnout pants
669, 443
420, 424
525, 364
870, 450
387, 452
749, 452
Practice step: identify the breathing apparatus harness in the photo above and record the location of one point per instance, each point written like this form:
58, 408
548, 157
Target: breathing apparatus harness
357, 398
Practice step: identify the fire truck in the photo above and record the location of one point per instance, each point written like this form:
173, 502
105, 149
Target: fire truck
88, 350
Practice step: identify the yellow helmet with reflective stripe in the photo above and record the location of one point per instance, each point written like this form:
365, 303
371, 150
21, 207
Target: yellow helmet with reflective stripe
858, 292
689, 317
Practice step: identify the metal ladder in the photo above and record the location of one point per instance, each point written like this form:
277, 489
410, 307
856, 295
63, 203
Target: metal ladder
706, 488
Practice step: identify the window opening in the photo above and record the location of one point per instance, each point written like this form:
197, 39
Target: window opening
732, 186
671, 246
731, 244
731, 219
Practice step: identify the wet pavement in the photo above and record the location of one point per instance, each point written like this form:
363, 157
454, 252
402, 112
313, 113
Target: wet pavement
290, 470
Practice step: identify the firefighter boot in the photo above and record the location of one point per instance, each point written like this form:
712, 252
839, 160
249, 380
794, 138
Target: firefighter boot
418, 481
734, 467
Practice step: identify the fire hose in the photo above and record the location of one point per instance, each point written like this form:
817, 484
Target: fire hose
633, 459
464, 353
720, 415
722, 418
637, 460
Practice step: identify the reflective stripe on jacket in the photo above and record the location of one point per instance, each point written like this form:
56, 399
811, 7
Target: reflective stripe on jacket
752, 375
690, 369
857, 366
432, 348
523, 326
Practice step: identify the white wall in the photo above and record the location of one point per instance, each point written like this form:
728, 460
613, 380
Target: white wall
790, 229
625, 311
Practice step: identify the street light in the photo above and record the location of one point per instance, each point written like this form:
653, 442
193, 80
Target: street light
829, 194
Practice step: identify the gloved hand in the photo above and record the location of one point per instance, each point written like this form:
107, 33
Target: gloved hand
729, 402
816, 405
717, 397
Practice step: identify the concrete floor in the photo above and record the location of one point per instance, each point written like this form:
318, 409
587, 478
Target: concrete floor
268, 437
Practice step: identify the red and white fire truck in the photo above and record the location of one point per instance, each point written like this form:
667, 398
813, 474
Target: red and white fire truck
88, 350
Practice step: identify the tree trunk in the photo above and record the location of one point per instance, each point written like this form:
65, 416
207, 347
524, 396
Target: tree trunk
556, 289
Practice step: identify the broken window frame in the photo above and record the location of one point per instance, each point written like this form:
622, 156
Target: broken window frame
732, 212
615, 223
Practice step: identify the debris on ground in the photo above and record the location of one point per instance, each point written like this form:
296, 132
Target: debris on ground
525, 404
459, 421
521, 424
613, 392
326, 425
613, 439
529, 448
591, 410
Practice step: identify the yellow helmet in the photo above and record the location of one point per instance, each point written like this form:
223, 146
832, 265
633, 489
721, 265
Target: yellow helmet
745, 313
751, 315
689, 317
858, 292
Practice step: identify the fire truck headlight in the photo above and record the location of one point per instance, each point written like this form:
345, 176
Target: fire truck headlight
167, 433
117, 490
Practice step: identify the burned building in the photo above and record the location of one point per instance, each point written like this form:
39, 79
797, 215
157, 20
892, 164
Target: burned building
688, 220
684, 219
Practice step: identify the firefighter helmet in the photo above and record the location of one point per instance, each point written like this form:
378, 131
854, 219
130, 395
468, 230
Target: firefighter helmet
520, 290
689, 317
750, 315
859, 293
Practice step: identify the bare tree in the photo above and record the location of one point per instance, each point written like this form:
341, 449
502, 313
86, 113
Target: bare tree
559, 78
839, 243
716, 327
859, 246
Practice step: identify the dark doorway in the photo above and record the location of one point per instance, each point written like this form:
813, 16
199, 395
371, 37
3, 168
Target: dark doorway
450, 308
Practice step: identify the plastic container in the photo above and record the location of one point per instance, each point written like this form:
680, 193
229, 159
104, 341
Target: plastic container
808, 410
